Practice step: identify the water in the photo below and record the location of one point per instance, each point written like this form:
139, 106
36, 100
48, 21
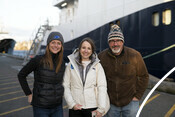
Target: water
20, 53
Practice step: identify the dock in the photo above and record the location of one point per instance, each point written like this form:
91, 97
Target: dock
13, 102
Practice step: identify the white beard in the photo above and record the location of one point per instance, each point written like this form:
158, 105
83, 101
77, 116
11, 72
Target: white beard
116, 51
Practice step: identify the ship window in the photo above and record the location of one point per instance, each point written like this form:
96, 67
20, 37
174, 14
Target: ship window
72, 34
155, 19
118, 22
166, 17
111, 24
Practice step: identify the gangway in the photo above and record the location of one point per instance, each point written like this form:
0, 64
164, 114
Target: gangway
38, 39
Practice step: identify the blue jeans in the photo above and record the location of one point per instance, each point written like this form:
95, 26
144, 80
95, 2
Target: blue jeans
53, 112
129, 110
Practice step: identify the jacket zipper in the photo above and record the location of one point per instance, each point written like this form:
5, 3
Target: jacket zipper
84, 96
116, 80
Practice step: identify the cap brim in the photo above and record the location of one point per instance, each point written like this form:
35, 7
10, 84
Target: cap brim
115, 39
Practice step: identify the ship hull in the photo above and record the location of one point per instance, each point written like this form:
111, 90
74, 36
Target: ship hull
141, 35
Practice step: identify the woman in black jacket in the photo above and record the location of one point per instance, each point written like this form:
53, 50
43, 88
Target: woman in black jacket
46, 97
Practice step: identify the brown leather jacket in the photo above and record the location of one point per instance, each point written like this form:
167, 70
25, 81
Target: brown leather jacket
126, 74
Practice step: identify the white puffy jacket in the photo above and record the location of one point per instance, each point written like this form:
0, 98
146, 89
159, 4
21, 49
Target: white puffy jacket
94, 92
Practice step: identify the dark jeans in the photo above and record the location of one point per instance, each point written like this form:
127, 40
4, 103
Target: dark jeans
81, 113
42, 112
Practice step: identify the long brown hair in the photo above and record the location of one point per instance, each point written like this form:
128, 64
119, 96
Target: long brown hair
91, 42
47, 59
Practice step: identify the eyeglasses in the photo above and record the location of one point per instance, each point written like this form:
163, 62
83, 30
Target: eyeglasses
113, 41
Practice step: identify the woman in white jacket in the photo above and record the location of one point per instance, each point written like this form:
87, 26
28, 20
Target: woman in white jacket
85, 82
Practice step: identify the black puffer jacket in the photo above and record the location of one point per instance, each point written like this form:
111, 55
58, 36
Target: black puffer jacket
48, 90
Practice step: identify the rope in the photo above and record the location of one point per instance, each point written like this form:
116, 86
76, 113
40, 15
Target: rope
160, 51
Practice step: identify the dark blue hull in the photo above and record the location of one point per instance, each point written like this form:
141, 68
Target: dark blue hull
141, 34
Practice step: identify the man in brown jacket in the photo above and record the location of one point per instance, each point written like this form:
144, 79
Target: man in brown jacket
126, 73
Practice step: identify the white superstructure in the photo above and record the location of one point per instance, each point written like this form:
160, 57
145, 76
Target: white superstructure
78, 17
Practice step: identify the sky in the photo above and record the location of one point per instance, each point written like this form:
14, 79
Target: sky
21, 18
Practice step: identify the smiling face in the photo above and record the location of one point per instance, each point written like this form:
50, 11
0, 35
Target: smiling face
116, 46
55, 46
85, 51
